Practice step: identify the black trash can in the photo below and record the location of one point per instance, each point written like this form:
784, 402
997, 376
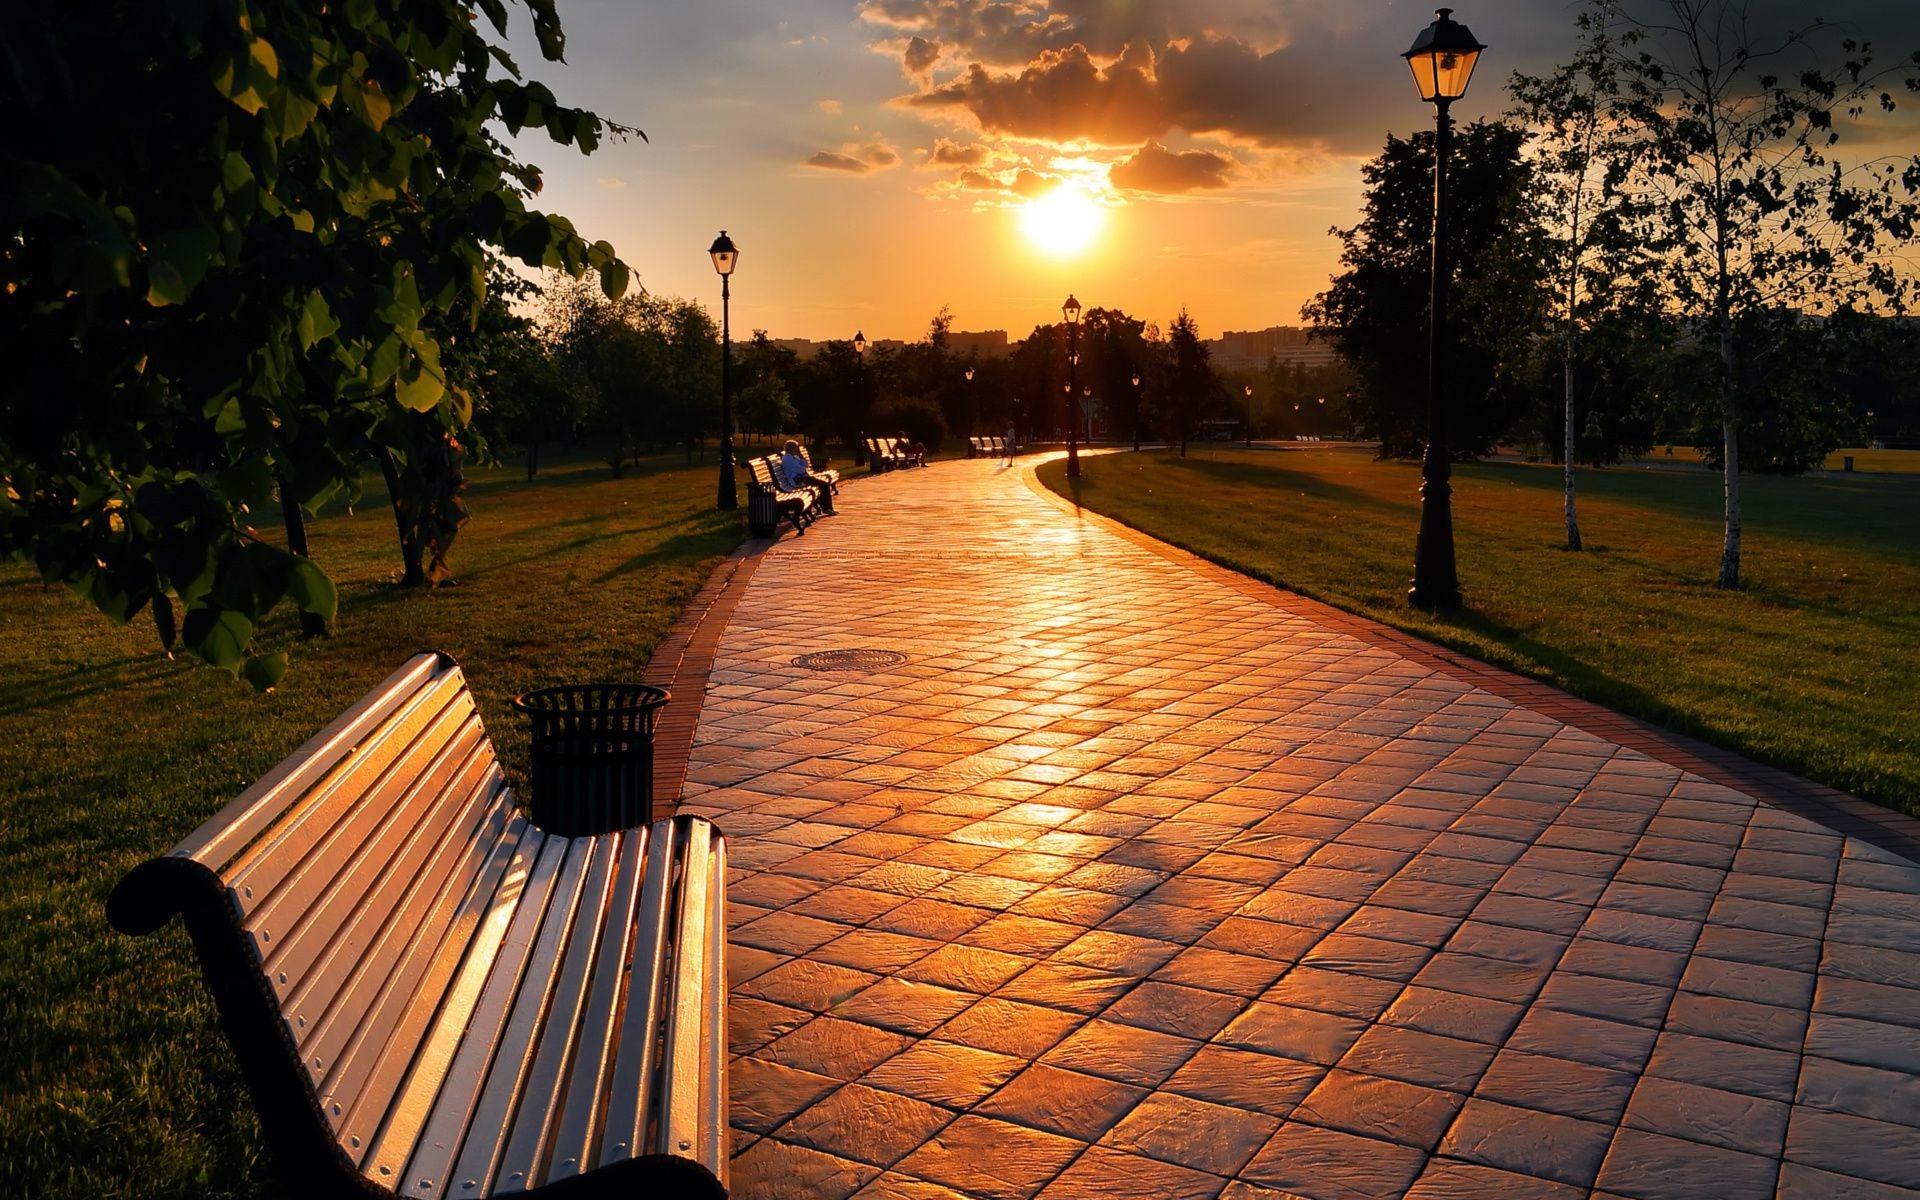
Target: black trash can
592, 756
763, 515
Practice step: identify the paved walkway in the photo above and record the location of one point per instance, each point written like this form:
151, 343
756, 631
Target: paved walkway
1131, 881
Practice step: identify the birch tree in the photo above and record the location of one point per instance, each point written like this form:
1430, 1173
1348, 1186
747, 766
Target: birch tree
1750, 208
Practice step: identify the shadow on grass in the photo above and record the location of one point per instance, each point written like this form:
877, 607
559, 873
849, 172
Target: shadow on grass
1863, 512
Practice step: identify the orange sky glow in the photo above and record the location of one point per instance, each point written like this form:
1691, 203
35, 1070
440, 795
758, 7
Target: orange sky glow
877, 160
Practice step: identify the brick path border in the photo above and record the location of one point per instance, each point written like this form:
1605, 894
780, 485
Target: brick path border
683, 660
1843, 813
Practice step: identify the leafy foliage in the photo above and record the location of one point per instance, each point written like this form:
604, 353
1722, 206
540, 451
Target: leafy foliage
1377, 308
237, 234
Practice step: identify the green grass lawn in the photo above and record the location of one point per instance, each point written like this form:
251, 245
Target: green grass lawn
1810, 666
1865, 459
114, 1078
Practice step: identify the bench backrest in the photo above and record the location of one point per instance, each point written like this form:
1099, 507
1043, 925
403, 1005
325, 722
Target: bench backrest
414, 932
763, 474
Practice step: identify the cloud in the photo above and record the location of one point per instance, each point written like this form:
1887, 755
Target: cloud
830, 106
1157, 169
827, 160
920, 55
612, 183
855, 160
952, 154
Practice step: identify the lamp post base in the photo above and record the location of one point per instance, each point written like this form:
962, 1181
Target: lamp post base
1436, 582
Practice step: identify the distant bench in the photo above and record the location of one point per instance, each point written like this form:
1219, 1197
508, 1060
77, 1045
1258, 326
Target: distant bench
986, 447
428, 996
888, 453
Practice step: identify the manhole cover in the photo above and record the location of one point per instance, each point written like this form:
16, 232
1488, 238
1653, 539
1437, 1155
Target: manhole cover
850, 660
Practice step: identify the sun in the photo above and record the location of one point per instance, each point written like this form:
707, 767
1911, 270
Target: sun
1062, 222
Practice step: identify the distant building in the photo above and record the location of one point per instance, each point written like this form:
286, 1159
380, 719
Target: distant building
1288, 345
988, 343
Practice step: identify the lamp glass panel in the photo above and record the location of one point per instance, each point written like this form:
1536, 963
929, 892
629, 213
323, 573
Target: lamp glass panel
1453, 71
725, 260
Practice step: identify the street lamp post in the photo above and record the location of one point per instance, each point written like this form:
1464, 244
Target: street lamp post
1249, 390
1136, 414
726, 256
1086, 411
1071, 310
969, 403
860, 376
1442, 60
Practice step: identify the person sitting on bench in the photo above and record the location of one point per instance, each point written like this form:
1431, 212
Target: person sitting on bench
795, 474
916, 452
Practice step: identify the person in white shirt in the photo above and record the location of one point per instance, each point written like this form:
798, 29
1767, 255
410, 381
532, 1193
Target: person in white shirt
794, 475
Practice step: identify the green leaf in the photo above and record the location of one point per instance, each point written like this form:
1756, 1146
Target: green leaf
420, 387
248, 481
317, 322
614, 278
164, 624
263, 671
176, 263
218, 636
310, 589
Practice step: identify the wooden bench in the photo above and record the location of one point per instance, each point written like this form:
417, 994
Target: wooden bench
827, 473
768, 503
430, 997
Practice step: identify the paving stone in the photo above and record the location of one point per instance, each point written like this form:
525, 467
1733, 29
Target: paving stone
1296, 1033
1748, 1124
1169, 1008
1869, 1043
966, 968
1860, 1091
752, 1023
775, 1170
1750, 1070
1104, 1174
764, 1094
1450, 1179
1583, 1039
1245, 1079
1405, 1113
905, 1006
1557, 1085
944, 1073
1798, 1182
1526, 1142
808, 984
1651, 1166
836, 1048
1144, 1057
875, 951
1470, 1018
894, 1186
1415, 1057
863, 1123
1848, 1145
1009, 1027
1063, 1102
1192, 1133
1738, 1021
992, 1159
1358, 996
1326, 1164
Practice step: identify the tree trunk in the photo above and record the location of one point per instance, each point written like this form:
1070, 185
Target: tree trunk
1730, 466
533, 459
413, 569
1573, 520
312, 625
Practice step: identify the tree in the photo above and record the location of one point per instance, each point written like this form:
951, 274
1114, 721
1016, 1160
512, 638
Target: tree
232, 235
1376, 308
1751, 216
1190, 379
1579, 174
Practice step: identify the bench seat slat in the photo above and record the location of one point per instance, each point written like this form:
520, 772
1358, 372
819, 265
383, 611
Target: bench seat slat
493, 1049
370, 1072
224, 835
630, 1087
514, 908
344, 999
308, 909
686, 984
544, 1038
581, 1117
256, 875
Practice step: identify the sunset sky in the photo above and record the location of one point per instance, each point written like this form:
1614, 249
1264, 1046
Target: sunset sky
875, 160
